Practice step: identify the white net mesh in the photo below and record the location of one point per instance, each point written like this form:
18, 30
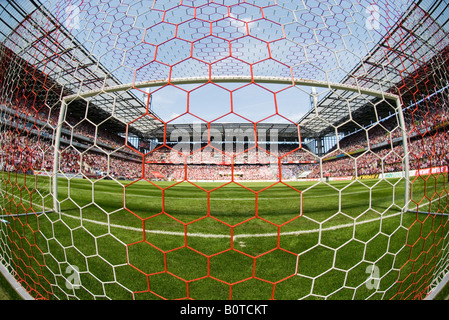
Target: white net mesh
224, 149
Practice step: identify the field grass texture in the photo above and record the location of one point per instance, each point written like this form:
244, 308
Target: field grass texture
255, 240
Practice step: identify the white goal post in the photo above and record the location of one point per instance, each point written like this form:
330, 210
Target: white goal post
198, 80
225, 149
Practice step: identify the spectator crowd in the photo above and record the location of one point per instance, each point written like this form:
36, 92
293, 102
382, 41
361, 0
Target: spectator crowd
91, 151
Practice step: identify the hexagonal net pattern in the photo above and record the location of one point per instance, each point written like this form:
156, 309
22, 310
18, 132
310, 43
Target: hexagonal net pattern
225, 149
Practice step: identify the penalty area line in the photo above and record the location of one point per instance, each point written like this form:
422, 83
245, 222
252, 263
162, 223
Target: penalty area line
303, 193
212, 236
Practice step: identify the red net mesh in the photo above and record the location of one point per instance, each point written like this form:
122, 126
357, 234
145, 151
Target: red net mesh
225, 150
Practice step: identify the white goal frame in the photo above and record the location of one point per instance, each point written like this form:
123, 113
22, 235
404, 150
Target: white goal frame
198, 80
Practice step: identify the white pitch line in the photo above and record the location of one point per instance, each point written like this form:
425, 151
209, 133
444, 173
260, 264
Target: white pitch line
235, 237
240, 199
208, 235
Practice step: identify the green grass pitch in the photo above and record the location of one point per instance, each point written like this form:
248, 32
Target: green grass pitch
254, 240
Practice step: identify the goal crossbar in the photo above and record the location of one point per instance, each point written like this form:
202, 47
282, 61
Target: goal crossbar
233, 79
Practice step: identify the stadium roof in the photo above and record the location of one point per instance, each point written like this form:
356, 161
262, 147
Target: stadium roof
382, 69
59, 55
285, 132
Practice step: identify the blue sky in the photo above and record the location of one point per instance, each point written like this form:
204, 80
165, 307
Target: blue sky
112, 31
101, 24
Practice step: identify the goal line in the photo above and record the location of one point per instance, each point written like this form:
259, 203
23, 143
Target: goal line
207, 235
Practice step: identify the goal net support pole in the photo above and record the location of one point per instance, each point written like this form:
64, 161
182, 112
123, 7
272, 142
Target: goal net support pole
56, 206
406, 169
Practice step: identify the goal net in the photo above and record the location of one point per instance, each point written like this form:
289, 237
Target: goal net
225, 149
